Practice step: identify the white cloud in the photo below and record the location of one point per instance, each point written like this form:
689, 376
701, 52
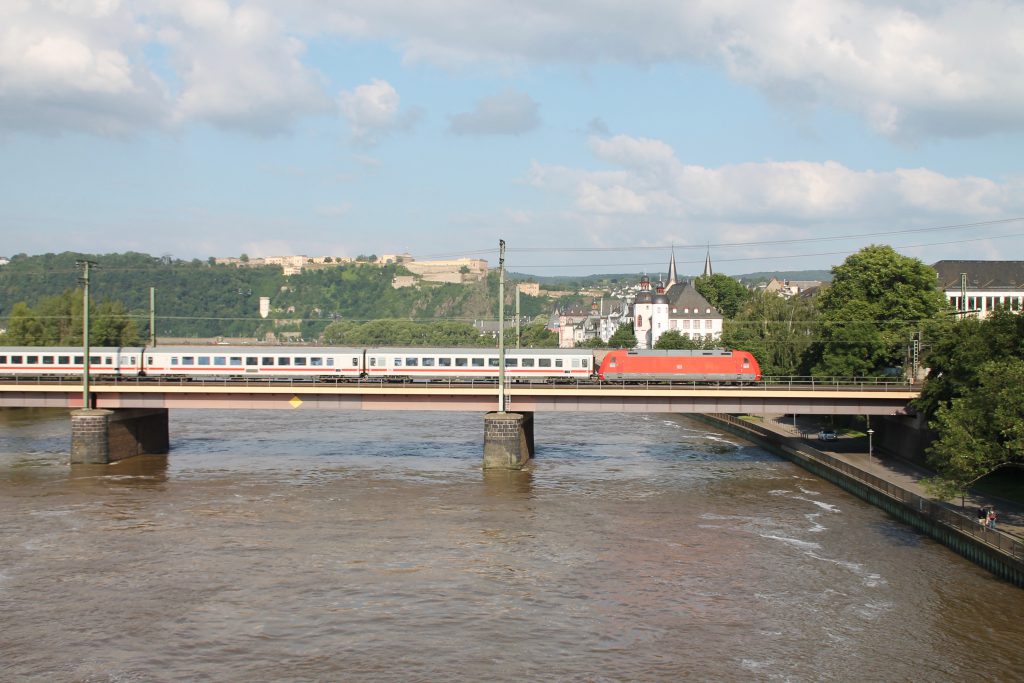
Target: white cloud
90, 65
910, 69
944, 68
650, 187
373, 111
73, 65
507, 113
239, 68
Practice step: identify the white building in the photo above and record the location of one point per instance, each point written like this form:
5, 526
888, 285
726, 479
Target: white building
978, 287
676, 306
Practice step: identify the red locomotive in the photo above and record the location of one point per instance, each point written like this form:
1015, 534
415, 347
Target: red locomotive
718, 365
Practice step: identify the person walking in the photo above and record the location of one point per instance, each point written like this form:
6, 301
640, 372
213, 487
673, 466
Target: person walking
982, 516
992, 519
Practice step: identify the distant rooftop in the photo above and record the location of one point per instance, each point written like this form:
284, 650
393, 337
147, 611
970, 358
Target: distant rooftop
987, 274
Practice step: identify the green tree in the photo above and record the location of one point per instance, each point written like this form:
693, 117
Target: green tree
777, 330
23, 327
623, 337
536, 335
877, 299
672, 339
592, 343
404, 333
112, 326
723, 292
957, 349
982, 431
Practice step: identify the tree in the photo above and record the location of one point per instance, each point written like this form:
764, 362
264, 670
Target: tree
536, 335
957, 349
623, 337
877, 299
23, 328
112, 326
776, 330
982, 431
592, 343
672, 339
723, 292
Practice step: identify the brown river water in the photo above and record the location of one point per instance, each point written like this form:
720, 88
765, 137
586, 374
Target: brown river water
318, 546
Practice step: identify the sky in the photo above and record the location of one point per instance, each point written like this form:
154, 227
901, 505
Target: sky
591, 135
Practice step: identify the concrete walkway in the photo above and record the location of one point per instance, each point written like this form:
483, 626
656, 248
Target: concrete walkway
854, 452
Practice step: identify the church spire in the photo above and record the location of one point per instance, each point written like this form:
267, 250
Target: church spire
707, 264
673, 278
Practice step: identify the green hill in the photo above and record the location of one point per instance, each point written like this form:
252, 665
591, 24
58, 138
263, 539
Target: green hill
200, 299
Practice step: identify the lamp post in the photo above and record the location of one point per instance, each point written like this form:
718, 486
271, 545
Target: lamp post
870, 432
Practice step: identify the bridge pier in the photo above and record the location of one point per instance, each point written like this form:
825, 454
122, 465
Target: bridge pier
508, 440
105, 436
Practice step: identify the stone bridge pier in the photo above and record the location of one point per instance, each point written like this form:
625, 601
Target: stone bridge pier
508, 440
105, 436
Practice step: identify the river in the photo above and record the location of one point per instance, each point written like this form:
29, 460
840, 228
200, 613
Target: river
351, 546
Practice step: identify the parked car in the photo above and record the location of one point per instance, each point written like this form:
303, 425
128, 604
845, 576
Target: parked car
827, 435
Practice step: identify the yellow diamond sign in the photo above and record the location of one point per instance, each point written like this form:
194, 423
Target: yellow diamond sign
295, 402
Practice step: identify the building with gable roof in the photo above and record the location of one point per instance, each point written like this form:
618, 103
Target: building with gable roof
977, 288
676, 306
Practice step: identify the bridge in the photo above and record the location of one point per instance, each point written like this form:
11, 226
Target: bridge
130, 415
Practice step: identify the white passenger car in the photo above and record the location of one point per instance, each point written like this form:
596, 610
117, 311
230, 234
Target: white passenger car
253, 361
478, 363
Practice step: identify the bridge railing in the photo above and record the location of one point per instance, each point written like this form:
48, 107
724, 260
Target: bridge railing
781, 383
938, 511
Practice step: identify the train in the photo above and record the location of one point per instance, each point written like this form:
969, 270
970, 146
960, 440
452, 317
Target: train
398, 364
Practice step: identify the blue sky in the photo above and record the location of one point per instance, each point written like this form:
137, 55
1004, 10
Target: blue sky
591, 136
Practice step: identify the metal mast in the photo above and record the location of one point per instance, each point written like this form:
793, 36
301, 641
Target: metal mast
86, 403
501, 326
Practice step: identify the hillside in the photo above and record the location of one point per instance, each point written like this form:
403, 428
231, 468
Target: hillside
199, 299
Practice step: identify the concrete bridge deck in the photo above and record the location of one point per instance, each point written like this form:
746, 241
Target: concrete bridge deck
868, 398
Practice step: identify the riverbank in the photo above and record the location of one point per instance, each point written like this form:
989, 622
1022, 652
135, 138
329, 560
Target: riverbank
896, 487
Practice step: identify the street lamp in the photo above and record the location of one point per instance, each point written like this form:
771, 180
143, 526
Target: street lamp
870, 432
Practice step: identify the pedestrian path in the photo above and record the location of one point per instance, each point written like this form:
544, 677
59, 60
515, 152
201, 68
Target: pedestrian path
853, 451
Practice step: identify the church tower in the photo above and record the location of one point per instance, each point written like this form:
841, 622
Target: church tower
673, 278
643, 307
707, 264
